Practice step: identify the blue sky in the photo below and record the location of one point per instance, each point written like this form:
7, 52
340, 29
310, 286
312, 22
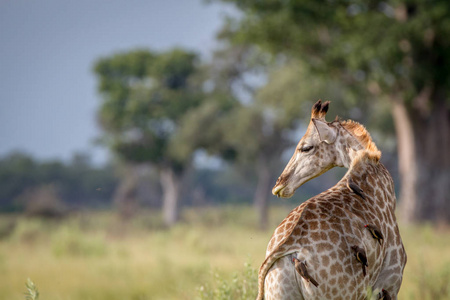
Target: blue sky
48, 96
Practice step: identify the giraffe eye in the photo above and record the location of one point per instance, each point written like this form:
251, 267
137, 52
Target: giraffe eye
306, 148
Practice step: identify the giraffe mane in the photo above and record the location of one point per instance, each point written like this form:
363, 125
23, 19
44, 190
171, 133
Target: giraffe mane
361, 134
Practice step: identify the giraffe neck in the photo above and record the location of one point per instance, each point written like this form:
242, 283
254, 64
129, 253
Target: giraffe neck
372, 177
347, 156
352, 138
347, 150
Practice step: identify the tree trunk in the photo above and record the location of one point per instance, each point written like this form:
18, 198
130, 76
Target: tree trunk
433, 150
262, 192
424, 160
406, 160
125, 195
171, 184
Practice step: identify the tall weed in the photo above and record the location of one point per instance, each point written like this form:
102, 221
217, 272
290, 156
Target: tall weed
32, 292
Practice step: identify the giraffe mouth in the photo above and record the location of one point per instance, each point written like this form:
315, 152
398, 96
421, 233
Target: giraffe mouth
281, 191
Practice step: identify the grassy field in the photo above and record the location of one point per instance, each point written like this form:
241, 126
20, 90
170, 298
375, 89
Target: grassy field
212, 254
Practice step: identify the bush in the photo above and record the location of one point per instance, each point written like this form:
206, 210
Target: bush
42, 201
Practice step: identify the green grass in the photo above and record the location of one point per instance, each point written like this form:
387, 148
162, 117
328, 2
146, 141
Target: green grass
211, 254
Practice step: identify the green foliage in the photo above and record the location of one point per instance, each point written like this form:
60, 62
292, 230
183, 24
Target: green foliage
32, 292
395, 47
17, 171
243, 286
205, 128
145, 95
175, 68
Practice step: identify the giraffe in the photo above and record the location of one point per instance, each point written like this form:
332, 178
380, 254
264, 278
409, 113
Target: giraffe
322, 231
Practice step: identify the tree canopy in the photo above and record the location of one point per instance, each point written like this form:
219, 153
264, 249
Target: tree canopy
398, 45
145, 95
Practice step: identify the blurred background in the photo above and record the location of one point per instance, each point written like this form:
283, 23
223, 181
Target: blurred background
141, 139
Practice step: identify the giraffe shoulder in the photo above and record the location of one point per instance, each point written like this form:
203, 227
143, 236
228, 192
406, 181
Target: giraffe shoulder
296, 225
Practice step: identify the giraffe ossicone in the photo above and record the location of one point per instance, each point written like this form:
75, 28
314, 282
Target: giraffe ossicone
326, 231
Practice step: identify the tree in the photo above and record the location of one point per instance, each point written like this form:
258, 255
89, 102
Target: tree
149, 101
274, 93
397, 50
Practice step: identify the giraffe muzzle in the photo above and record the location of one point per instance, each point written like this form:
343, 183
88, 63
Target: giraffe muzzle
277, 190
280, 191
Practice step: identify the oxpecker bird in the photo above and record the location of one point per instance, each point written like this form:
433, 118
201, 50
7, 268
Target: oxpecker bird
360, 255
375, 231
355, 188
384, 295
300, 267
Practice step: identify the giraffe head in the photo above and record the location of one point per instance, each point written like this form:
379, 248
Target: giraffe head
324, 146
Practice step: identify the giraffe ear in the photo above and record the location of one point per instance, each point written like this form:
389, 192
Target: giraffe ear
326, 132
